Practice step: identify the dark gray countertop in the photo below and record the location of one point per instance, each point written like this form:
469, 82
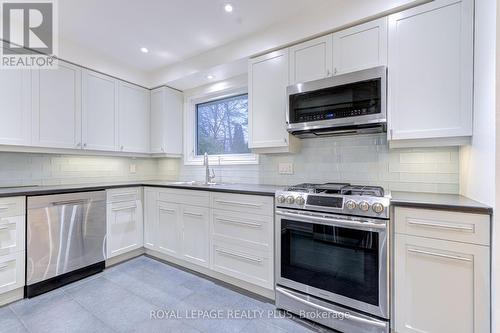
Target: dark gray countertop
452, 202
408, 199
254, 189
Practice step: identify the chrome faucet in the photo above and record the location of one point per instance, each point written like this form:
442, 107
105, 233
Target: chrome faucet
209, 178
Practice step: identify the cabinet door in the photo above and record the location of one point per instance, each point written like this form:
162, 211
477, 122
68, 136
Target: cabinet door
15, 107
169, 229
360, 47
158, 121
124, 227
133, 118
150, 219
430, 71
268, 79
57, 107
99, 112
166, 121
195, 234
311, 60
441, 286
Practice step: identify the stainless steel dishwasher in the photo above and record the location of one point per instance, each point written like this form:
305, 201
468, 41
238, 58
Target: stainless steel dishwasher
65, 239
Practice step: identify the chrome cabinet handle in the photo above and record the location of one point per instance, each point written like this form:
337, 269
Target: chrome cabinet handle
167, 210
121, 147
78, 144
238, 255
3, 208
84, 145
437, 254
250, 224
422, 223
337, 313
237, 203
192, 214
5, 226
3, 267
123, 208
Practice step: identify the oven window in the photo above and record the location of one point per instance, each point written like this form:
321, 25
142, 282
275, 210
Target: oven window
350, 100
338, 260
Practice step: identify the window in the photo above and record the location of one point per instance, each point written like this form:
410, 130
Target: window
222, 126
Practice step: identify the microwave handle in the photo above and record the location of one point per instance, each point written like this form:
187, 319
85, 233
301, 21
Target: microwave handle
333, 221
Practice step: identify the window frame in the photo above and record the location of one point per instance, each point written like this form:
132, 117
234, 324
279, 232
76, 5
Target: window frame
190, 130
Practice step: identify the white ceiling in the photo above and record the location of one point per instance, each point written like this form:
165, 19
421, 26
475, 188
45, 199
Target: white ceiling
172, 30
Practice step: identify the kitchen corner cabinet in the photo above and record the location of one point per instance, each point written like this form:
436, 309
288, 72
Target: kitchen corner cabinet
430, 79
124, 221
99, 111
360, 47
133, 118
56, 101
441, 272
267, 82
311, 60
166, 121
15, 107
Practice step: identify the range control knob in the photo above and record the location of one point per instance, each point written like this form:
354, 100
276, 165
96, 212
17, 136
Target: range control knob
300, 200
290, 200
378, 208
350, 205
281, 198
364, 206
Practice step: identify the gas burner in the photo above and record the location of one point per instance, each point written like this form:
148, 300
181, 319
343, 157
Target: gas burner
374, 191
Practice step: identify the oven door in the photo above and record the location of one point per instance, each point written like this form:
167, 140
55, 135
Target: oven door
341, 259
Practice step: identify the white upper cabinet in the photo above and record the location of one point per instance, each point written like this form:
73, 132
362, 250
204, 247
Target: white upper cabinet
133, 118
311, 60
15, 107
430, 71
360, 47
57, 107
166, 121
268, 79
99, 112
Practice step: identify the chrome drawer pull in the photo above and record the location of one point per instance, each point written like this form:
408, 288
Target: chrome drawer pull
193, 214
237, 255
168, 210
442, 255
439, 225
250, 224
3, 208
4, 226
3, 267
123, 208
237, 203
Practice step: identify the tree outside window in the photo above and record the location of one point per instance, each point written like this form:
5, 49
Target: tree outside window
222, 126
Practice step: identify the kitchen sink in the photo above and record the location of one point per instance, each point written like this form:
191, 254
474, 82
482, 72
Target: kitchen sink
193, 183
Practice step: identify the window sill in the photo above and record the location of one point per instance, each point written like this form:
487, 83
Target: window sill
216, 160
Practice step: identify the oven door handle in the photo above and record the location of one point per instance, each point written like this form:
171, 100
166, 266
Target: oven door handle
334, 221
337, 313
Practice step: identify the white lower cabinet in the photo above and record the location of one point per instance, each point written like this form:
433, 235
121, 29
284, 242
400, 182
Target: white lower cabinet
195, 234
440, 285
12, 246
222, 233
124, 221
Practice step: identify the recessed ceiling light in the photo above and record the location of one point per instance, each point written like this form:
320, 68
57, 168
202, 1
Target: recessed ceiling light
228, 8
144, 50
210, 77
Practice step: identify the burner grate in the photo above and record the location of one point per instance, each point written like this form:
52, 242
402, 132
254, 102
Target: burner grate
374, 191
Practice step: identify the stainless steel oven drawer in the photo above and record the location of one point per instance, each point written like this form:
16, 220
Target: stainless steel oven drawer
328, 314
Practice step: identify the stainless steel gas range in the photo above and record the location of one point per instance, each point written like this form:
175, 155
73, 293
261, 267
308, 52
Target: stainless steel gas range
332, 255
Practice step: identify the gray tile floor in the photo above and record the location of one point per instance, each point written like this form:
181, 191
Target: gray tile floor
122, 299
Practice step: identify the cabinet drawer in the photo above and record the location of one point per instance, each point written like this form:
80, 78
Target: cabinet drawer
460, 227
244, 203
12, 206
249, 264
11, 271
12, 234
188, 197
247, 227
123, 194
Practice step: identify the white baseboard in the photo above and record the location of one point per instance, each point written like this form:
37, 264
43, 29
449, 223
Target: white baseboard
11, 296
267, 293
124, 257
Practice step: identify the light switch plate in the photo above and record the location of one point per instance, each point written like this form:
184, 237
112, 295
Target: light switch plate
285, 168
132, 168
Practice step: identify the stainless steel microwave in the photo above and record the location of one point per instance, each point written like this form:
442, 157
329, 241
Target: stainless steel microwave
353, 103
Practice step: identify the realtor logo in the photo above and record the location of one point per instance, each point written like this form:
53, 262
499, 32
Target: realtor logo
29, 34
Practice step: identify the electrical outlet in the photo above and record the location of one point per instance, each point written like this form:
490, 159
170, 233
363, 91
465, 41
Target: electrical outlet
285, 168
132, 168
